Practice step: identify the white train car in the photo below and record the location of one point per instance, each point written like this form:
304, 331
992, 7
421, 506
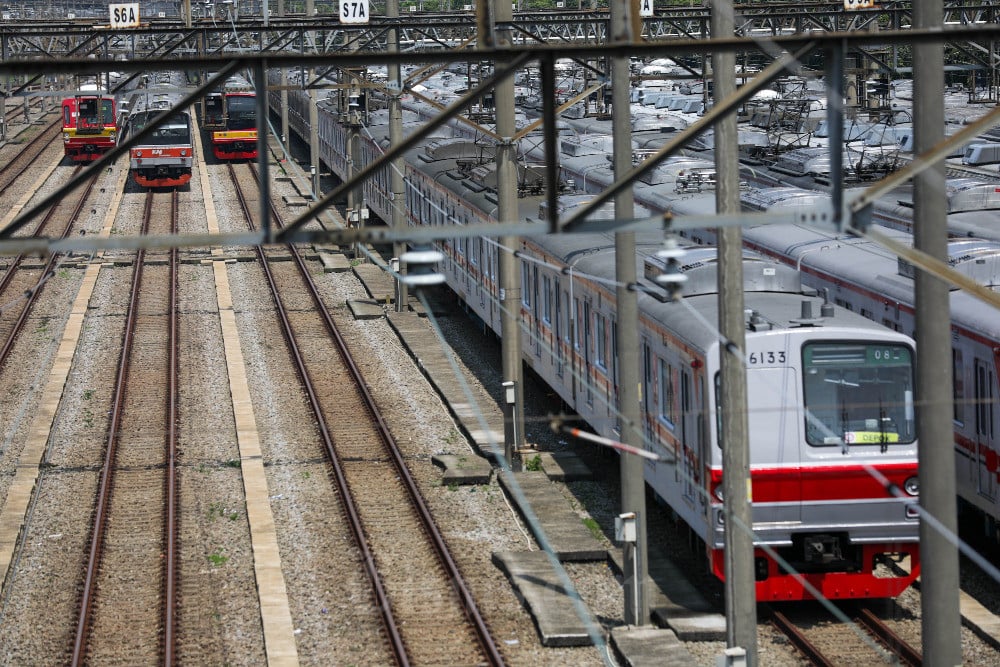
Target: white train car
831, 392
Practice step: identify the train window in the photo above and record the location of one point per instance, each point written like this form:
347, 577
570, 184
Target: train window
241, 112
525, 282
547, 300
667, 411
601, 346
858, 393
958, 393
984, 399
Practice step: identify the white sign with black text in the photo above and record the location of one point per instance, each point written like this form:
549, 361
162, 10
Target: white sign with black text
124, 15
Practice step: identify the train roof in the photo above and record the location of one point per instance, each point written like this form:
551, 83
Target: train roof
961, 195
773, 292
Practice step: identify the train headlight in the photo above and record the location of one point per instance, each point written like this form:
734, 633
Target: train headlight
912, 486
111, 135
718, 494
65, 136
138, 153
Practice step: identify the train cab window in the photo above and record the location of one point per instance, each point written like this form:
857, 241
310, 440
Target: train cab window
241, 112
95, 113
858, 393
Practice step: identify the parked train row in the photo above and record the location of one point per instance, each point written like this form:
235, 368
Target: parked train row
94, 124
831, 393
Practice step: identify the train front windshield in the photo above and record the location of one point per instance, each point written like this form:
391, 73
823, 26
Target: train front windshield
241, 112
858, 393
175, 130
96, 113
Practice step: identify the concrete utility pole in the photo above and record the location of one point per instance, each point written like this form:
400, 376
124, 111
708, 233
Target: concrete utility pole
286, 137
941, 620
741, 601
510, 277
313, 111
396, 184
634, 555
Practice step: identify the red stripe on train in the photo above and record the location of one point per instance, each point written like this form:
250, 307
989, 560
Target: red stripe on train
823, 483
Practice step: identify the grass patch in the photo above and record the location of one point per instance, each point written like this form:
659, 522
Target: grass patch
534, 464
217, 558
595, 528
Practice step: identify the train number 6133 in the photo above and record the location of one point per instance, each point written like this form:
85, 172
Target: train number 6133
768, 358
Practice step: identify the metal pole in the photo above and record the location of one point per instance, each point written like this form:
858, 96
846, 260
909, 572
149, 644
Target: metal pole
631, 468
309, 43
940, 621
510, 278
396, 184
260, 80
741, 604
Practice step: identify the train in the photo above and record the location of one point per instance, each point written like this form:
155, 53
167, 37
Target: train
229, 117
862, 276
90, 126
165, 158
866, 279
830, 391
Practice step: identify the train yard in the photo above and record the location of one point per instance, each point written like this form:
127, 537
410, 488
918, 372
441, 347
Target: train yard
229, 468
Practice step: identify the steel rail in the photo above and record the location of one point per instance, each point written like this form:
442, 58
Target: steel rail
798, 639
28, 154
354, 519
469, 605
173, 416
108, 471
36, 290
889, 638
487, 645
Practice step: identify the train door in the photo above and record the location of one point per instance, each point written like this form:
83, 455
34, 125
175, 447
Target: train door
775, 442
985, 424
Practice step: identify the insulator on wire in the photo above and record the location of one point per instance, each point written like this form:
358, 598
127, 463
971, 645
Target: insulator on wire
672, 278
421, 267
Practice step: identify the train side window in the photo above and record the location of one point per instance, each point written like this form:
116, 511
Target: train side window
718, 409
667, 410
547, 300
600, 348
525, 282
984, 400
958, 393
578, 329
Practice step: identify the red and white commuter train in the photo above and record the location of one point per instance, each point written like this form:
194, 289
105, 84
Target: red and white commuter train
831, 393
164, 159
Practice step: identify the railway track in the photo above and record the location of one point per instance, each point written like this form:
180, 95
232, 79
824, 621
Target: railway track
866, 640
24, 283
12, 171
128, 603
427, 611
